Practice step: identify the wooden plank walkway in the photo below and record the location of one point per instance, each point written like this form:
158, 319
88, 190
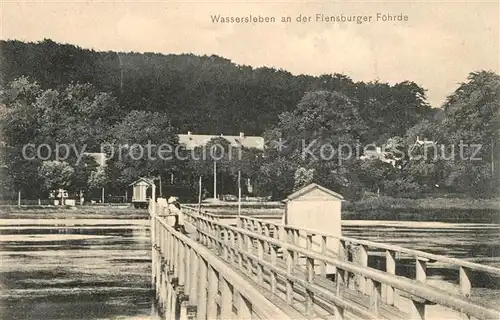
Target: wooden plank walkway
288, 275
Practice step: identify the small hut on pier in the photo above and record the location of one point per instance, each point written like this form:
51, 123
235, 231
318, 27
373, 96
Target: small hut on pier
316, 208
143, 190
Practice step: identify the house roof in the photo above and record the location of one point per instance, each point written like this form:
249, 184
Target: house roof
310, 188
147, 180
191, 141
99, 157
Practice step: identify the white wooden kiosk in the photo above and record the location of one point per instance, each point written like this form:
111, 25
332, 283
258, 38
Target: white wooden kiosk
315, 208
139, 195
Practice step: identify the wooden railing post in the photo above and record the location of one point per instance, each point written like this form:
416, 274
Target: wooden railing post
260, 267
421, 269
211, 232
188, 265
282, 236
340, 277
363, 261
273, 273
176, 257
153, 245
310, 280
418, 308
276, 232
170, 252
296, 237
193, 290
375, 296
465, 286
213, 288
289, 270
226, 305
249, 245
390, 267
168, 303
267, 234
243, 306
323, 252
465, 283
201, 310
225, 249
182, 263
173, 304
240, 247
232, 252
295, 240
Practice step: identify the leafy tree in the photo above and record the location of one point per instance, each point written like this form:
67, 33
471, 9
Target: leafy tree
303, 177
390, 110
322, 119
276, 178
143, 144
56, 175
77, 116
229, 161
207, 94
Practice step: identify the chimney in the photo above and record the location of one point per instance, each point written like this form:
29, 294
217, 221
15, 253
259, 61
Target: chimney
242, 135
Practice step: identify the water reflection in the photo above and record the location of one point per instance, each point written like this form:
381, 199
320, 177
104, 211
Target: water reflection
75, 272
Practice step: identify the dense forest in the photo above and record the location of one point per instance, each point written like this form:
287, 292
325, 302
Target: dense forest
57, 93
204, 94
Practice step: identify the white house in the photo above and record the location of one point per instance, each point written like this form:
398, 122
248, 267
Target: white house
190, 141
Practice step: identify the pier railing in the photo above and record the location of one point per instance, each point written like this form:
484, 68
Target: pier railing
193, 283
391, 252
310, 246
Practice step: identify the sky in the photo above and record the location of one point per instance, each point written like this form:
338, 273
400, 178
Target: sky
439, 45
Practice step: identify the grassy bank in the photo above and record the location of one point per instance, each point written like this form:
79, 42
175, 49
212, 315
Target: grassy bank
377, 208
384, 202
387, 208
78, 212
428, 209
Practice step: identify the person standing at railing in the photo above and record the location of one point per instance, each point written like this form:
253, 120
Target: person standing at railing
175, 209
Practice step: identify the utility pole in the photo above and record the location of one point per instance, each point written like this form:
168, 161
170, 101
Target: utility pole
121, 73
492, 157
215, 180
239, 197
199, 195
161, 194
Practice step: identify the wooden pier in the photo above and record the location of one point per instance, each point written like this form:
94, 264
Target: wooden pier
266, 270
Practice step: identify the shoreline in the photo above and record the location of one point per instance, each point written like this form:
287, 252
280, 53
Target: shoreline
463, 211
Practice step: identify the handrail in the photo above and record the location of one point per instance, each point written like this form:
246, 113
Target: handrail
317, 290
411, 287
260, 305
411, 252
203, 212
372, 244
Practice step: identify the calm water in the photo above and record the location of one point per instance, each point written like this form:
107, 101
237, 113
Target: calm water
103, 272
475, 242
75, 273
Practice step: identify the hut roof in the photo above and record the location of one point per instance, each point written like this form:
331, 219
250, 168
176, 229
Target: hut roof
147, 180
310, 188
